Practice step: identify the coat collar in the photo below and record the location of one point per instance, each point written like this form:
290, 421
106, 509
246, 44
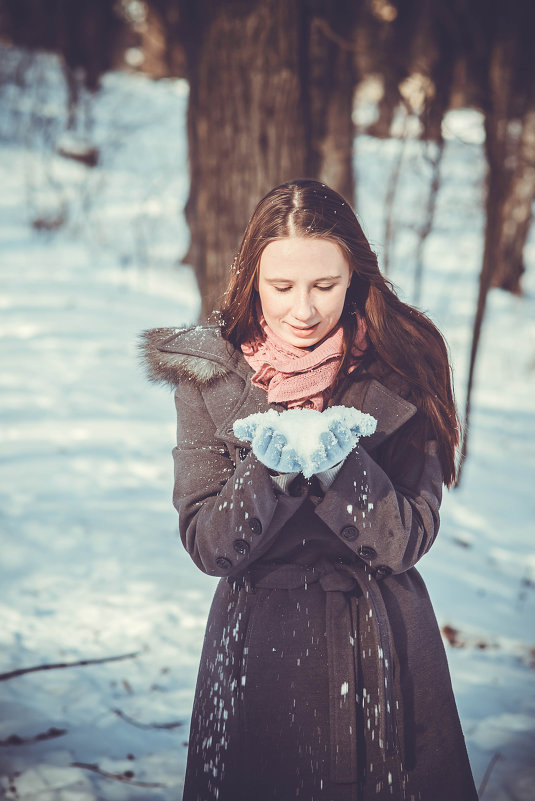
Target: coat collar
202, 356
390, 409
198, 354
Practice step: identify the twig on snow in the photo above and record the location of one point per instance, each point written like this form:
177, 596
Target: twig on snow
16, 739
486, 777
126, 777
174, 725
80, 663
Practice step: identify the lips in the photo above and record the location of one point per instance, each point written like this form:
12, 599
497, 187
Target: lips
303, 332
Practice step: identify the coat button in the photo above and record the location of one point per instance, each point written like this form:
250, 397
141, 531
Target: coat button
255, 525
242, 453
241, 546
223, 563
349, 533
367, 552
382, 571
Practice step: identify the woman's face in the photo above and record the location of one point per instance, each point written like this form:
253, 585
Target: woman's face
302, 283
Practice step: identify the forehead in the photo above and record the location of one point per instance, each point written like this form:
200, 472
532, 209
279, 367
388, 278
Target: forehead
302, 256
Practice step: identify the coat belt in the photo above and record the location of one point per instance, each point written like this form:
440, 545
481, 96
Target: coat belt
346, 587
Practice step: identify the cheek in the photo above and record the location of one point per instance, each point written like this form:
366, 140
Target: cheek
271, 304
335, 306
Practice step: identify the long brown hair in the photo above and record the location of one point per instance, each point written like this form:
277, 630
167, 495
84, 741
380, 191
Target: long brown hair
400, 336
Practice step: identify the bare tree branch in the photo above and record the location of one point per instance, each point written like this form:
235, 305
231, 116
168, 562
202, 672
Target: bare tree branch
16, 739
427, 226
126, 777
56, 665
486, 777
174, 725
391, 197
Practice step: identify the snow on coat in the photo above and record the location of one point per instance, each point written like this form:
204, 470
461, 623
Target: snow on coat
323, 674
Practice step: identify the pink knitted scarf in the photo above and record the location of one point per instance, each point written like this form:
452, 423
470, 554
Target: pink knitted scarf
299, 377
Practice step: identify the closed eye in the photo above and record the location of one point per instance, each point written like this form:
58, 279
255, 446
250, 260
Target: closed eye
321, 287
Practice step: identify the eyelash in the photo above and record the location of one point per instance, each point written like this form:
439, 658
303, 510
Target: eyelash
321, 288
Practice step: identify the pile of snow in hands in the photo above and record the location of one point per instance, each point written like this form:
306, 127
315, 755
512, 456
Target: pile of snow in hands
304, 427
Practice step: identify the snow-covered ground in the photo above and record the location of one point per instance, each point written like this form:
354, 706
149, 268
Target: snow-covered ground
91, 565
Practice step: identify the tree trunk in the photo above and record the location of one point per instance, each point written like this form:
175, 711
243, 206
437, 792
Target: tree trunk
331, 85
498, 182
494, 215
516, 205
85, 33
254, 120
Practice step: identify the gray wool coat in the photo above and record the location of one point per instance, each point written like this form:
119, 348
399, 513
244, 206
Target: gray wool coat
323, 675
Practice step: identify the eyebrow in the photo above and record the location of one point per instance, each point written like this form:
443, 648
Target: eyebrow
289, 280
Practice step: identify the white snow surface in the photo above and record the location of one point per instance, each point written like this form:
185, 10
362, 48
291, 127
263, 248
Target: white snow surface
303, 429
91, 564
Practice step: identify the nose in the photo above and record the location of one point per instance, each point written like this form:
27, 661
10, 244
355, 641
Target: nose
303, 309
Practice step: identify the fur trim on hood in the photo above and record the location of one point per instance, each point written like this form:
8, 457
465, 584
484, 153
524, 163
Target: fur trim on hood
198, 354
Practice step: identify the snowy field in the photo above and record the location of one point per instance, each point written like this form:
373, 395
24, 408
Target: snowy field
91, 566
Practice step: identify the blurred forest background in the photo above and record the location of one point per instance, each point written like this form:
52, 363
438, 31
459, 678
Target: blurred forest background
273, 86
135, 139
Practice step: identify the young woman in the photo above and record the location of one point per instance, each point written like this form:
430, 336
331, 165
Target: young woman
323, 675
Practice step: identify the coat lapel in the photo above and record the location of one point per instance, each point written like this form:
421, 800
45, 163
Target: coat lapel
390, 409
253, 400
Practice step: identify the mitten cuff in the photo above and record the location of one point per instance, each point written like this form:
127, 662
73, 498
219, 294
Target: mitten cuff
282, 481
326, 477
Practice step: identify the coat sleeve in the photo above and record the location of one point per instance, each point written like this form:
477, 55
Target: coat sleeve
228, 515
390, 523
